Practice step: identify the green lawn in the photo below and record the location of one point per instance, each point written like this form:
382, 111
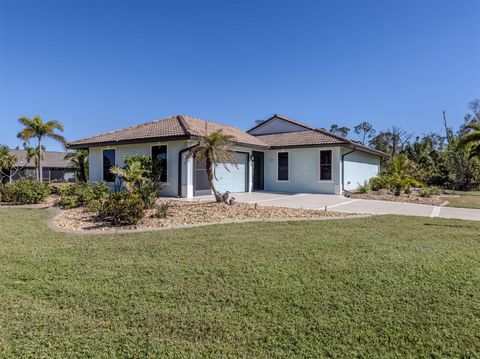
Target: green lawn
374, 287
464, 200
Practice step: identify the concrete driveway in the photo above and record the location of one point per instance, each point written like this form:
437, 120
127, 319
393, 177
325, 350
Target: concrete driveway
343, 204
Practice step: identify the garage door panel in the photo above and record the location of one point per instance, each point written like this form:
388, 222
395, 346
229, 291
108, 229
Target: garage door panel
230, 177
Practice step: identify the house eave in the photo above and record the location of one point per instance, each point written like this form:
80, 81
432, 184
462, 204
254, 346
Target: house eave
126, 142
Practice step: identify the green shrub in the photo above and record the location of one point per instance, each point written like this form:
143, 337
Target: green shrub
363, 188
82, 194
147, 190
25, 191
162, 209
429, 192
378, 183
122, 208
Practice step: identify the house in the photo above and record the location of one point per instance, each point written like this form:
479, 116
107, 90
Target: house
55, 167
280, 154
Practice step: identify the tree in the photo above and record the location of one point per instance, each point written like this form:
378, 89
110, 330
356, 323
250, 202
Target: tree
36, 128
8, 161
471, 140
365, 132
79, 160
392, 141
339, 131
215, 148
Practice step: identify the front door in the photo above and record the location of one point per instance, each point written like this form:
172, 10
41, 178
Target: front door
201, 186
258, 159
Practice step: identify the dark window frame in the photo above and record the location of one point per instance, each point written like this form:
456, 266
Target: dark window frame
288, 167
107, 176
164, 175
328, 164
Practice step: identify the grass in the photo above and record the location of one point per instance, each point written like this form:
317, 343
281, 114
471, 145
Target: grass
375, 287
464, 200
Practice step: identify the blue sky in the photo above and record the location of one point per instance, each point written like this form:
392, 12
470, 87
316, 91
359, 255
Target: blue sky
101, 65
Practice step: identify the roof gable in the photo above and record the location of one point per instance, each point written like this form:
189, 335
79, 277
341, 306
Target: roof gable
277, 124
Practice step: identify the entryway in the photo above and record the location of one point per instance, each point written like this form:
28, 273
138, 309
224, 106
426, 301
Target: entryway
258, 168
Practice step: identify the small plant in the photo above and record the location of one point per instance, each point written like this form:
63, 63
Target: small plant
25, 191
429, 192
378, 183
162, 210
363, 188
122, 208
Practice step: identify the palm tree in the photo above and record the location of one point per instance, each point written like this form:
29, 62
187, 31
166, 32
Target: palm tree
36, 128
215, 149
79, 160
472, 139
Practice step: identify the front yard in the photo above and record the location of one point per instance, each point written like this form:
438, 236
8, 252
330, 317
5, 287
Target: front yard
463, 199
382, 286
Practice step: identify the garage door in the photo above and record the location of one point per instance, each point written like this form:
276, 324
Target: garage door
231, 178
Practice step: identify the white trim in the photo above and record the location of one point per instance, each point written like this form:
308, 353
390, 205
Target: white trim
276, 169
319, 180
150, 154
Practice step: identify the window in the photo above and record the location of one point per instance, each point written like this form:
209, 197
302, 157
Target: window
282, 174
108, 162
159, 159
325, 165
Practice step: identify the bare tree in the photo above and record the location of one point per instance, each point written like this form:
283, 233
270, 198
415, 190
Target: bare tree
365, 132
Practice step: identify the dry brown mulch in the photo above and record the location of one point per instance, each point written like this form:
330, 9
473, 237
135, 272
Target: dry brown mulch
413, 197
184, 213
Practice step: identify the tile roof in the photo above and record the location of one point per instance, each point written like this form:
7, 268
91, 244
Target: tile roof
171, 127
51, 159
300, 138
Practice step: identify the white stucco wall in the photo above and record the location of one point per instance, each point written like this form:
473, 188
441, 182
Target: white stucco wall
359, 167
95, 160
277, 126
304, 171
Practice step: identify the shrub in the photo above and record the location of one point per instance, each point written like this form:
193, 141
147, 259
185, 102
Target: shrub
82, 194
429, 192
122, 208
25, 191
378, 183
162, 209
147, 190
363, 188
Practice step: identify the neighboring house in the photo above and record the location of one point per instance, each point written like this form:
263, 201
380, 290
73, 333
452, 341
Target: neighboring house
55, 167
279, 154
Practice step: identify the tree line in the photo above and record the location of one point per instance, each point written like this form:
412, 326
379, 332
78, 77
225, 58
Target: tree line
450, 159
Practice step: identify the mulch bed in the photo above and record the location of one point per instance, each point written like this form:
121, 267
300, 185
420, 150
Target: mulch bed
185, 213
413, 197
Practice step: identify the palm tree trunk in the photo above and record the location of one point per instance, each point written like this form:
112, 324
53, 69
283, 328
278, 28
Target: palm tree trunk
40, 171
209, 169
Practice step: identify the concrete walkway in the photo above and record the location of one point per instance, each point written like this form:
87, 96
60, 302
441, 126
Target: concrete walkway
343, 204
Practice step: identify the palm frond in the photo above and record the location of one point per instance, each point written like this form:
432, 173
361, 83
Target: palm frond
57, 137
26, 134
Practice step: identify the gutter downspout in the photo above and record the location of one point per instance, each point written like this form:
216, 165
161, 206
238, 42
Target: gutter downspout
343, 168
179, 191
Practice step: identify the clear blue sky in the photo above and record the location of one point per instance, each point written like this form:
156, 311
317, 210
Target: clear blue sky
101, 65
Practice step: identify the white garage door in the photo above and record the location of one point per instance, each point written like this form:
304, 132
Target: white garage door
233, 179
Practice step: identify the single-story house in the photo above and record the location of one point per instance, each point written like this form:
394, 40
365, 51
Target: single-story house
55, 167
280, 154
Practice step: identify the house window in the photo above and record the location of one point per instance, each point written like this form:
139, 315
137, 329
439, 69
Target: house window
325, 165
159, 159
282, 174
108, 162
